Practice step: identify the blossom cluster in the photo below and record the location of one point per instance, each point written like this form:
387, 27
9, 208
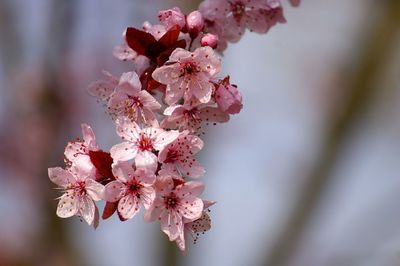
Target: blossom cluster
160, 109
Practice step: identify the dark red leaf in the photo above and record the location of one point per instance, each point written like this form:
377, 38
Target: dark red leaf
170, 37
102, 161
109, 209
139, 40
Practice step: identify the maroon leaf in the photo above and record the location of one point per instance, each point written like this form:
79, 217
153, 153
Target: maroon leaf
102, 161
139, 40
109, 209
158, 51
170, 37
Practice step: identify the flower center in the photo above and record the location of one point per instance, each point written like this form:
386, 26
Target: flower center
190, 68
134, 188
80, 188
145, 143
238, 9
171, 201
135, 101
172, 156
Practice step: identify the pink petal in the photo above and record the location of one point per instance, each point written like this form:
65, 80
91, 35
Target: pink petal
180, 54
195, 143
114, 191
209, 61
87, 209
148, 196
145, 177
101, 89
116, 103
61, 177
208, 203
89, 137
167, 74
148, 100
127, 129
130, 83
94, 189
68, 205
180, 242
202, 90
96, 217
192, 168
146, 160
211, 114
192, 188
192, 208
124, 52
174, 92
128, 206
155, 210
123, 151
174, 109
172, 225
123, 171
165, 138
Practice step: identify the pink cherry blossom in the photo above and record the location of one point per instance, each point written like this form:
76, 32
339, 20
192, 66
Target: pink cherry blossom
237, 15
188, 74
172, 17
197, 227
209, 40
132, 188
124, 53
228, 97
77, 152
192, 118
130, 101
102, 89
195, 23
140, 143
174, 202
178, 155
80, 192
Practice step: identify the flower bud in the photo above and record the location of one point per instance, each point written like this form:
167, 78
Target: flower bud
228, 97
195, 23
210, 40
172, 17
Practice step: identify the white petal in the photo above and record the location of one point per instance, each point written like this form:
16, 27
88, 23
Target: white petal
94, 189
114, 191
128, 206
87, 209
146, 160
127, 129
165, 138
123, 151
68, 205
61, 177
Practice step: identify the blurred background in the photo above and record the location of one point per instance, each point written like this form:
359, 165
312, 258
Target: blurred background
308, 174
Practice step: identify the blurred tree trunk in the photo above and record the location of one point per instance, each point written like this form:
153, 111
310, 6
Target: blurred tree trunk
375, 51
